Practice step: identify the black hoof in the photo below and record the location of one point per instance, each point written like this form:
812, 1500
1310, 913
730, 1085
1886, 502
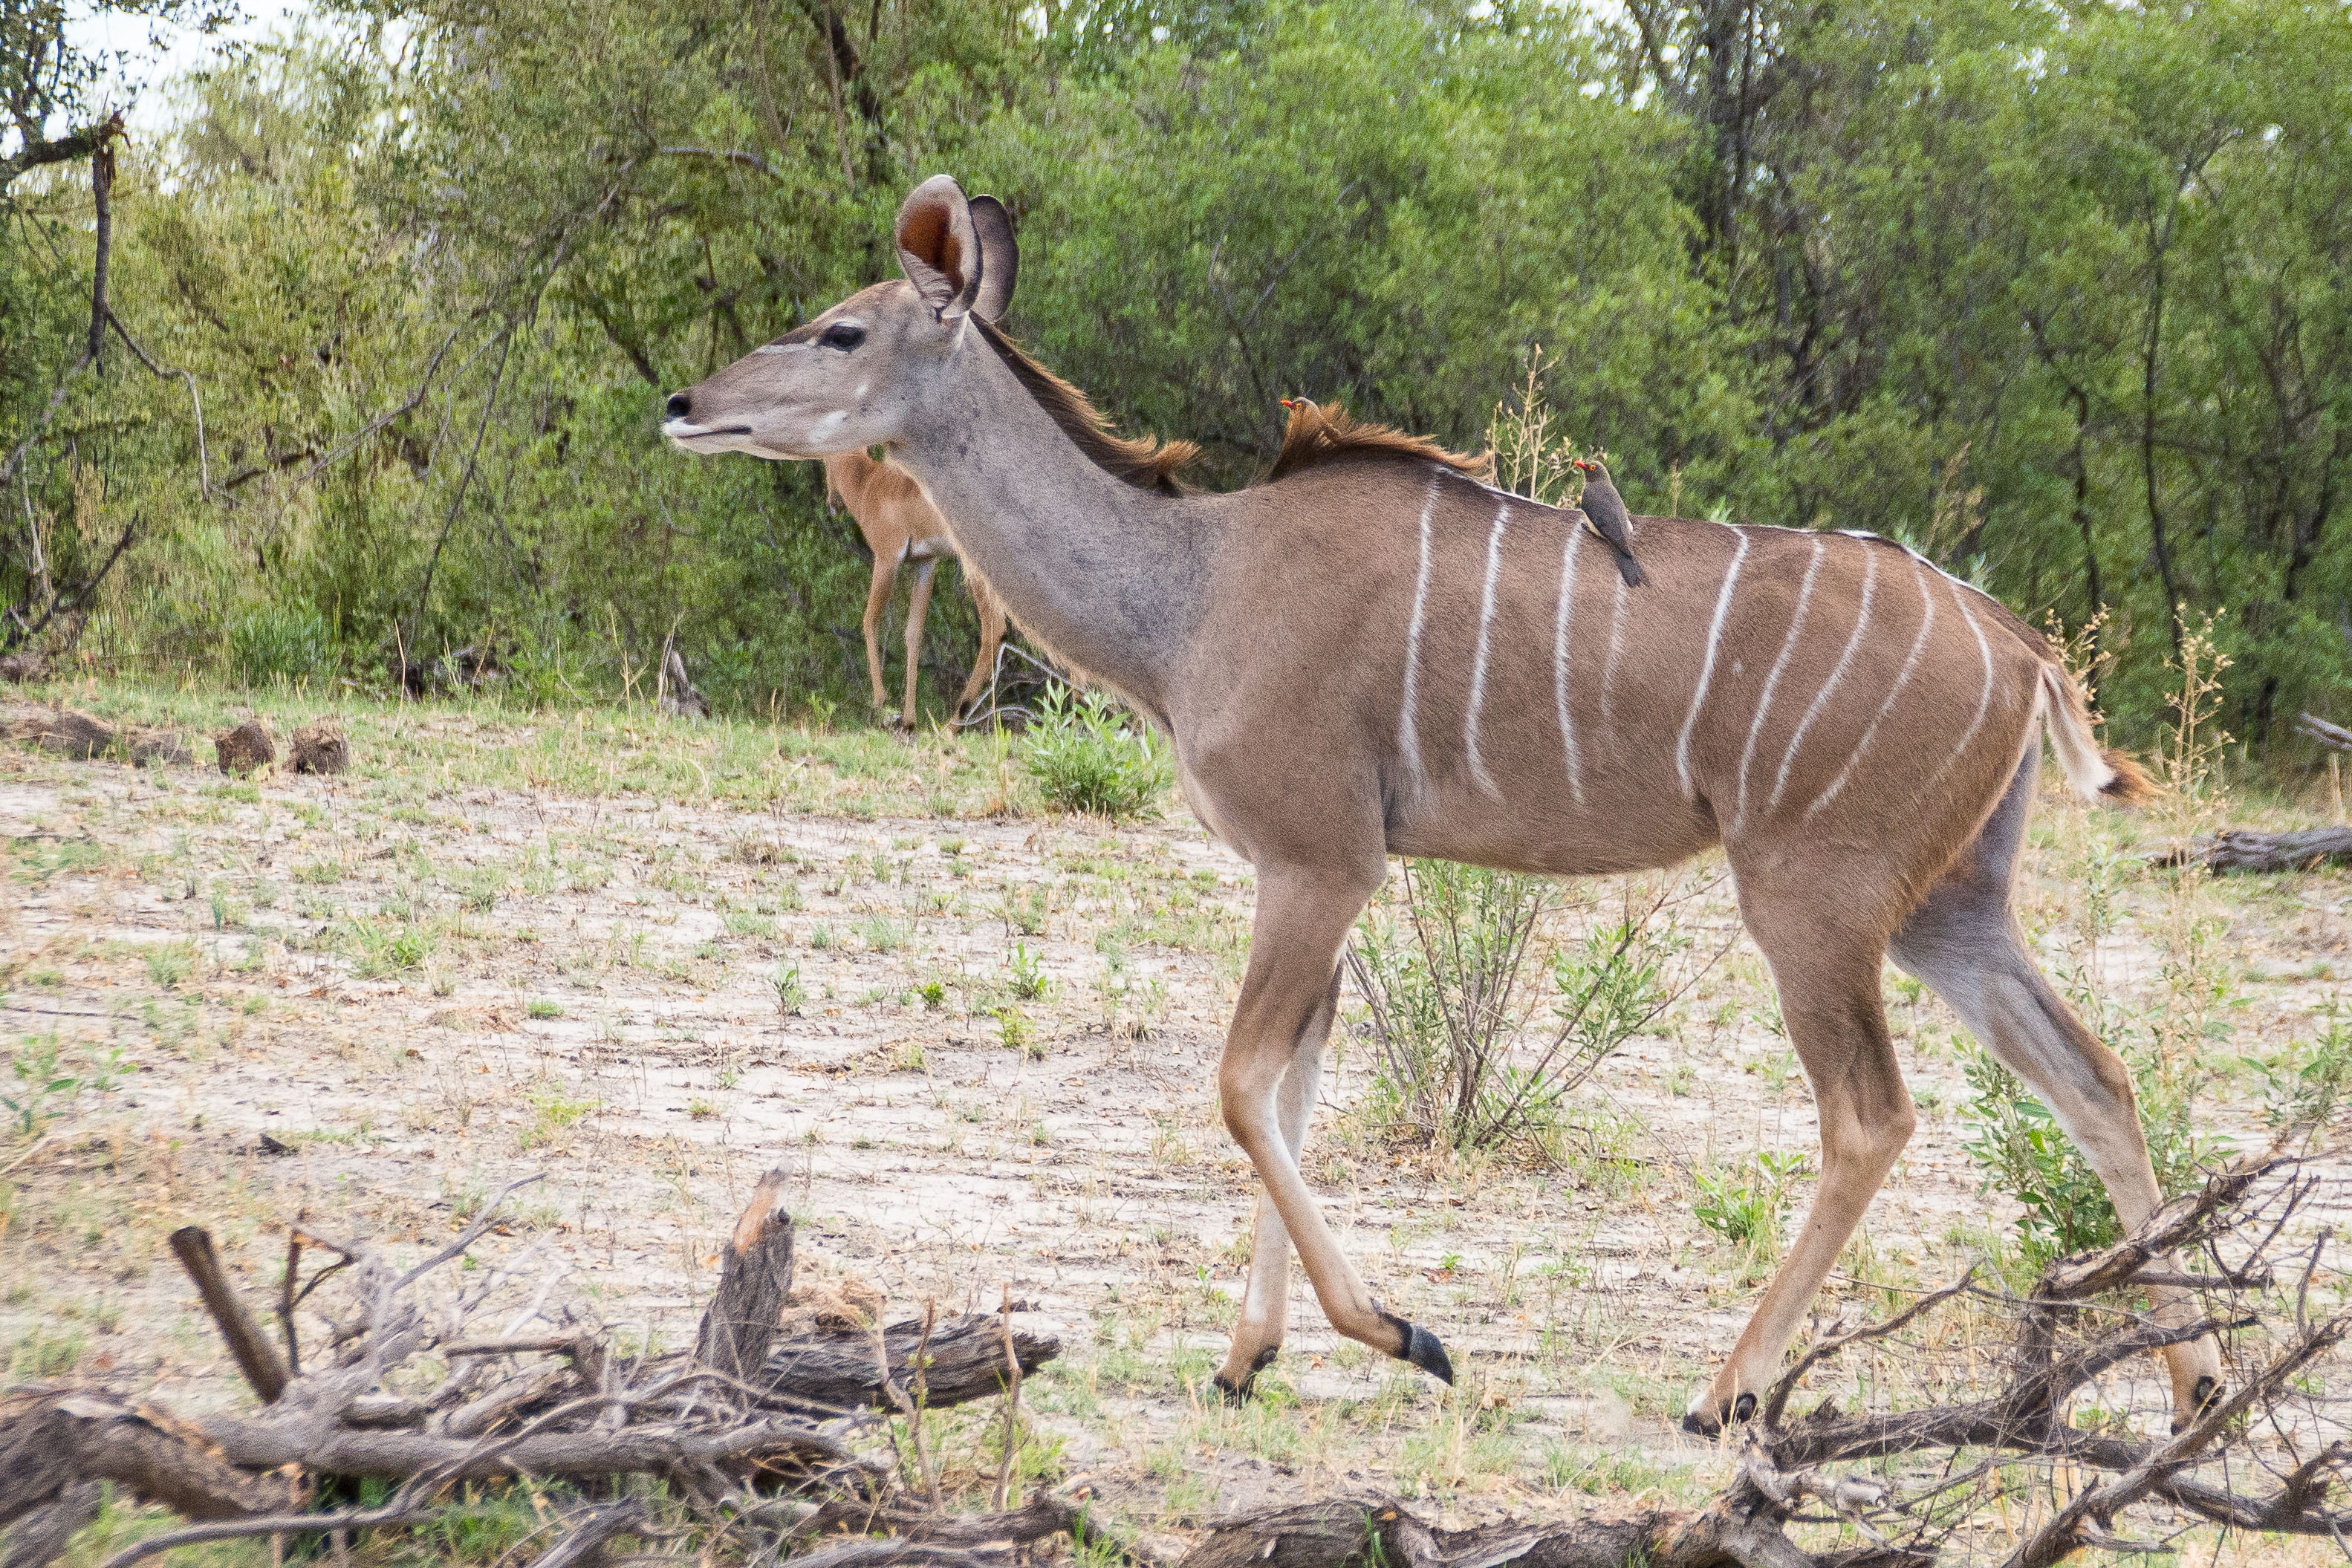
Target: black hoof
1239, 1392
2203, 1397
1422, 1349
1702, 1425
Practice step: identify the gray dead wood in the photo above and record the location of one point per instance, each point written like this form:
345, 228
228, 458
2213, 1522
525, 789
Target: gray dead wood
2327, 734
51, 1443
679, 697
41, 1536
584, 1547
319, 1443
256, 1357
2248, 850
81, 739
246, 748
1741, 1527
755, 1275
318, 746
965, 1362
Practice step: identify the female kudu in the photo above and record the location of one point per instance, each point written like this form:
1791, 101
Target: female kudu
901, 525
1858, 730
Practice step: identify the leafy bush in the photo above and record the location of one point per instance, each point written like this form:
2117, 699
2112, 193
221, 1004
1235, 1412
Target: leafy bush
2019, 1145
1744, 1203
272, 640
1451, 1013
1084, 757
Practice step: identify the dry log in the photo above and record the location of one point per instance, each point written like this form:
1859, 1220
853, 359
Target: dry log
81, 739
40, 1537
779, 1447
52, 1443
193, 1245
677, 696
755, 1275
319, 747
1352, 1531
584, 1547
2327, 734
965, 1362
246, 748
2250, 849
23, 667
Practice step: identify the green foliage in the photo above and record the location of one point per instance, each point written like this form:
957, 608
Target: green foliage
2081, 333
1745, 1202
2310, 1083
2017, 1145
1028, 981
43, 1087
1085, 757
1450, 1004
273, 642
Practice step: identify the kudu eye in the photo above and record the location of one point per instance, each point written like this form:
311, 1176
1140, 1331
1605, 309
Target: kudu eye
679, 405
842, 336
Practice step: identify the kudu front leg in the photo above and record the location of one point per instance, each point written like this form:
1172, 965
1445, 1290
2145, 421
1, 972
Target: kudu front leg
1287, 996
1265, 1304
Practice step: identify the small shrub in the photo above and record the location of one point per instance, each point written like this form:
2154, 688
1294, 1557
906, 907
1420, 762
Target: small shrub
1083, 758
1029, 982
790, 992
1744, 1203
2311, 1081
273, 641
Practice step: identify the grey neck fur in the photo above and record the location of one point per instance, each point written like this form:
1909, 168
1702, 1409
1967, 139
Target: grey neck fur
1105, 574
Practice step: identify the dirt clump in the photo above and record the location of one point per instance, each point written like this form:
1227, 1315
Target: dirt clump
246, 748
21, 668
319, 747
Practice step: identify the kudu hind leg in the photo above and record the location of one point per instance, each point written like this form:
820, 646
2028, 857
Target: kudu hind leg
1303, 916
919, 607
991, 638
1830, 1005
1964, 944
1265, 1304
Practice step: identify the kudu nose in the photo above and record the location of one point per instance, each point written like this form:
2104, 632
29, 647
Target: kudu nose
679, 405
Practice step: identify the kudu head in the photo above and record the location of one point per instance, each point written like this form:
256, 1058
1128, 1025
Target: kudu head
860, 373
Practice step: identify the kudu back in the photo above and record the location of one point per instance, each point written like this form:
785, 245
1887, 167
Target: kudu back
1377, 654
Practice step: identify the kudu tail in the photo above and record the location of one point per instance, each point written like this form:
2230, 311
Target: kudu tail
2095, 774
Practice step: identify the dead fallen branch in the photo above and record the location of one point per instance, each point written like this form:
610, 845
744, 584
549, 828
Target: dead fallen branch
81, 739
2261, 1458
2250, 849
396, 1390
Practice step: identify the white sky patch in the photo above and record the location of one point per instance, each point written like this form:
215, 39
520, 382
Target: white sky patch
141, 56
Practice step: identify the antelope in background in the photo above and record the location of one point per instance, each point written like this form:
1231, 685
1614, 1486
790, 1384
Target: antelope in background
1373, 653
901, 526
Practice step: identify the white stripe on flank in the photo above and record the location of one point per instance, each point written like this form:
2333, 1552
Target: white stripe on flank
1772, 681
1901, 679
1478, 669
1821, 698
1616, 648
1706, 669
1559, 659
1984, 699
1408, 731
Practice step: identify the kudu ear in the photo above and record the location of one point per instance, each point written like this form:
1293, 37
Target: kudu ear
937, 248
1000, 257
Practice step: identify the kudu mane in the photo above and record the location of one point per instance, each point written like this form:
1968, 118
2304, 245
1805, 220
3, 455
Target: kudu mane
1317, 436
1145, 462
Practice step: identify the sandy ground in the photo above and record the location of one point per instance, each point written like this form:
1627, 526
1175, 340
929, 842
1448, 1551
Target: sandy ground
424, 988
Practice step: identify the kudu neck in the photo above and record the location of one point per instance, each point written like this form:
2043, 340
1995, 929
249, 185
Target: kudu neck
1104, 574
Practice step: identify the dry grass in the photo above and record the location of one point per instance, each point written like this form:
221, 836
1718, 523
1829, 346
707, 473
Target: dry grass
511, 942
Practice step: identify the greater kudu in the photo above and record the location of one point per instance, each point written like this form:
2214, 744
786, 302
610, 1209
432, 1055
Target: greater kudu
1375, 653
902, 528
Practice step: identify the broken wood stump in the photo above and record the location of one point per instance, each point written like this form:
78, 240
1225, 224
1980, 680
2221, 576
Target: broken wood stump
755, 1275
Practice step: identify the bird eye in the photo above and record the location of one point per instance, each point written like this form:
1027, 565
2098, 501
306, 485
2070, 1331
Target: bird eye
842, 336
